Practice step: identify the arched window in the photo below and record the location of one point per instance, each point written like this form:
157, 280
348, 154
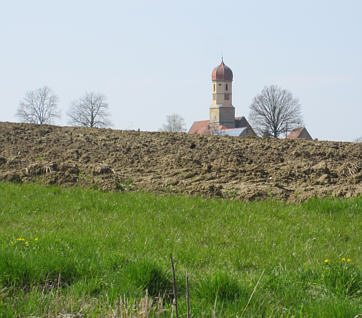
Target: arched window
226, 87
214, 87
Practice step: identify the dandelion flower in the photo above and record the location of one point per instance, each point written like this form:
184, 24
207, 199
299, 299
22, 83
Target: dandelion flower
348, 260
26, 242
343, 259
20, 239
326, 261
36, 239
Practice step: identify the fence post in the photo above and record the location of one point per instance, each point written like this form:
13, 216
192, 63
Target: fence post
174, 285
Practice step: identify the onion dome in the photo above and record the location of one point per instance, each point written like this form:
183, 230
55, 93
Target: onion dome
222, 73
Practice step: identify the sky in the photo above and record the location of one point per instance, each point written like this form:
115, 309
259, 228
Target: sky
154, 58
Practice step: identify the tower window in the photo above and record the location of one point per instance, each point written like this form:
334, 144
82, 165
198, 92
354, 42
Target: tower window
214, 87
226, 87
227, 96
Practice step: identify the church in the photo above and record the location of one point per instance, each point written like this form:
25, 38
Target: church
222, 112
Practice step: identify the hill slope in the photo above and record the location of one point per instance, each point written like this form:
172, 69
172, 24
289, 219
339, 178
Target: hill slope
171, 162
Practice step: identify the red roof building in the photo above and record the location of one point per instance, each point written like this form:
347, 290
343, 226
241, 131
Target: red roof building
300, 133
203, 127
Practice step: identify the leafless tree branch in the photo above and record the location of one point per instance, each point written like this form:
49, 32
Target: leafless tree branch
91, 110
174, 123
38, 106
274, 112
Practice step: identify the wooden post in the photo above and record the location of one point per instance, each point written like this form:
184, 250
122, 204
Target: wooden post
187, 295
174, 285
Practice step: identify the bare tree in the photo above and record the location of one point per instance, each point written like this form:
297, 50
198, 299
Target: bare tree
91, 110
38, 107
174, 123
274, 112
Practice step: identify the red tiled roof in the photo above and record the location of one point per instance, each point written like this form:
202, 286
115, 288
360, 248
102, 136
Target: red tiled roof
295, 133
199, 127
300, 132
202, 127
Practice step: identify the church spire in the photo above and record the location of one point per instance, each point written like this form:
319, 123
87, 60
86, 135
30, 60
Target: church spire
222, 112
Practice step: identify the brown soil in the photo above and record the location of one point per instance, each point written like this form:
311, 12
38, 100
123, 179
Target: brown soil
179, 163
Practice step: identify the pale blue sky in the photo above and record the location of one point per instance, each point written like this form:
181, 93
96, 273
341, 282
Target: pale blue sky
154, 58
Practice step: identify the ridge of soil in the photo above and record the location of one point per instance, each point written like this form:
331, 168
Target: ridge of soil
223, 166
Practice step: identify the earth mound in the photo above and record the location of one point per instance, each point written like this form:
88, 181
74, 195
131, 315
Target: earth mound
231, 167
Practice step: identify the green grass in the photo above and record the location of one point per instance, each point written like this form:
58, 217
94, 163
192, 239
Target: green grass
86, 249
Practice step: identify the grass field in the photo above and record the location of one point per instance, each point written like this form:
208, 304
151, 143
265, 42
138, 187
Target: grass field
88, 253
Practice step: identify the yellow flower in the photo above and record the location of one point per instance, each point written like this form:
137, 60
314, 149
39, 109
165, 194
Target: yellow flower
12, 243
348, 259
26, 242
343, 259
326, 261
20, 239
36, 239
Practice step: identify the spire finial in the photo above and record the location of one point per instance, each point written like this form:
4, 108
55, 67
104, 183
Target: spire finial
222, 58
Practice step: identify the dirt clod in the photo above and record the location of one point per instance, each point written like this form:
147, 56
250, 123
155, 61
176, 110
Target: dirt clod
220, 166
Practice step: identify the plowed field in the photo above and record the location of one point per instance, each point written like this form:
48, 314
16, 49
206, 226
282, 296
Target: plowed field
221, 166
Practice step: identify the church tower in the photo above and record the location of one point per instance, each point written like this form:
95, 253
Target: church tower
222, 112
